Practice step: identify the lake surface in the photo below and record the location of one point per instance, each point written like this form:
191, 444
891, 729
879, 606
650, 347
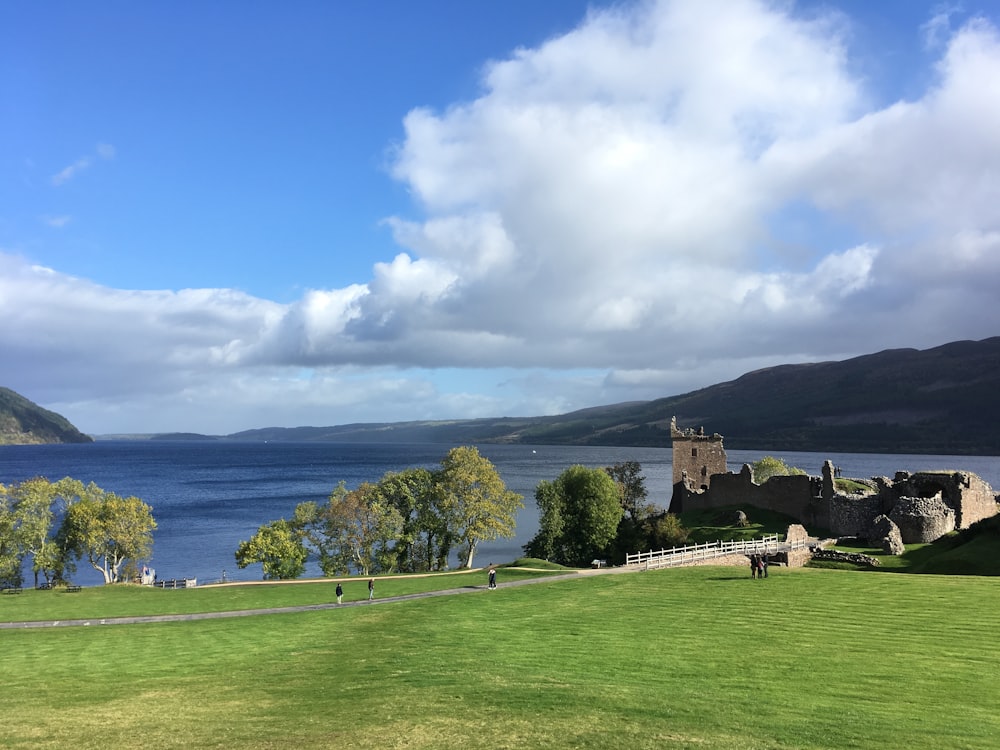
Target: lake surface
207, 497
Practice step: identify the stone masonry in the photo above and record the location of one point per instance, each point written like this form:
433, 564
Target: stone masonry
697, 457
922, 505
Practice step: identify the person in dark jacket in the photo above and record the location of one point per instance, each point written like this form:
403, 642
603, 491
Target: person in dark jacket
340, 594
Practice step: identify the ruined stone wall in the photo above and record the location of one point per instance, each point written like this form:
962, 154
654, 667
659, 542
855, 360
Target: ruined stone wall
853, 515
924, 505
967, 494
978, 500
796, 496
922, 519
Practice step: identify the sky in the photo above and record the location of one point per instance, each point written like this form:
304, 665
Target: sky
222, 216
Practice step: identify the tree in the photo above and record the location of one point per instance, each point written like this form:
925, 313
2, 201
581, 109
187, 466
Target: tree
631, 490
357, 529
665, 530
423, 542
580, 512
278, 548
475, 500
769, 466
11, 554
106, 529
35, 500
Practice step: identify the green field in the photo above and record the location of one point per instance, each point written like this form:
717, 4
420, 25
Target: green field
696, 657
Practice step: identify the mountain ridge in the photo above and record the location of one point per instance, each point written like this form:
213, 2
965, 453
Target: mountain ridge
940, 400
945, 400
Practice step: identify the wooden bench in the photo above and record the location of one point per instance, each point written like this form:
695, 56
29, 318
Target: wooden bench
72, 589
12, 590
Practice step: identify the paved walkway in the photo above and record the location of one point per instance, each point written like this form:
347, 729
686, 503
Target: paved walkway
297, 608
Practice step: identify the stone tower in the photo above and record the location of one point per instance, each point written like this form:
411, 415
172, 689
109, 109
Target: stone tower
697, 456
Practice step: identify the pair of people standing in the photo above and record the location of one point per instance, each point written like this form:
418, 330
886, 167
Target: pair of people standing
371, 591
758, 566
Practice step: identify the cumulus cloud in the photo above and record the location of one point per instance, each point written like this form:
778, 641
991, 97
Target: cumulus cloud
608, 219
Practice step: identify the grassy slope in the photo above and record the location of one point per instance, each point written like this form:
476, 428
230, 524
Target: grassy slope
711, 524
975, 551
699, 657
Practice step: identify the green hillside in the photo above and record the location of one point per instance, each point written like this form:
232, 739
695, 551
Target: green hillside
940, 400
23, 422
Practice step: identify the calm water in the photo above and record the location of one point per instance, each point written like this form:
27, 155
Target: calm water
209, 496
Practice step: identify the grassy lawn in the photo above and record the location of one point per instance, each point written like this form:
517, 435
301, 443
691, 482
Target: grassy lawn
696, 657
122, 601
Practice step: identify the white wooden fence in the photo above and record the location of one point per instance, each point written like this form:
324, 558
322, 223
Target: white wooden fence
666, 558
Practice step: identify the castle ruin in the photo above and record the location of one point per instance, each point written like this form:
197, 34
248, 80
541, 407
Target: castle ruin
923, 505
697, 456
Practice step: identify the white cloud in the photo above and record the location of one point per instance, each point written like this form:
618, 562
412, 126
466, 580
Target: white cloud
101, 151
938, 27
68, 173
607, 219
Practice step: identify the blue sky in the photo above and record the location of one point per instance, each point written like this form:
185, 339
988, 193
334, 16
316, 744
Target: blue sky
221, 216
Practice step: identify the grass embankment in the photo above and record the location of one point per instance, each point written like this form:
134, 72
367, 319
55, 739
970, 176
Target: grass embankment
698, 657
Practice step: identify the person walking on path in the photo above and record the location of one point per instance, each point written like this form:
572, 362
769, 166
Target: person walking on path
493, 577
371, 589
340, 594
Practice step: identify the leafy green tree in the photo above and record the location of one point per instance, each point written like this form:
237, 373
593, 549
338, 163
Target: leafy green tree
35, 505
278, 547
424, 542
475, 500
580, 513
11, 550
357, 529
547, 544
106, 529
665, 530
769, 466
631, 485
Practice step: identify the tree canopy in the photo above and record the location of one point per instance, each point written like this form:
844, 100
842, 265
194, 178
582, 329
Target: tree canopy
57, 523
407, 521
475, 499
580, 512
769, 466
278, 548
106, 529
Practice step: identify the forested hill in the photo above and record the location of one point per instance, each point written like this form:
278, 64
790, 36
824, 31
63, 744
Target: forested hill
23, 422
942, 400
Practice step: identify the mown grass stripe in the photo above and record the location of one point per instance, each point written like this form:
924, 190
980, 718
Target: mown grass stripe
678, 658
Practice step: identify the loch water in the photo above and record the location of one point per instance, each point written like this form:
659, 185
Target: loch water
208, 496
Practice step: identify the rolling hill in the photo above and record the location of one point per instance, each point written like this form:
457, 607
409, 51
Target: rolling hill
940, 400
23, 422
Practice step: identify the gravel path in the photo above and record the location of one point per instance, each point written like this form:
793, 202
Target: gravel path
299, 608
